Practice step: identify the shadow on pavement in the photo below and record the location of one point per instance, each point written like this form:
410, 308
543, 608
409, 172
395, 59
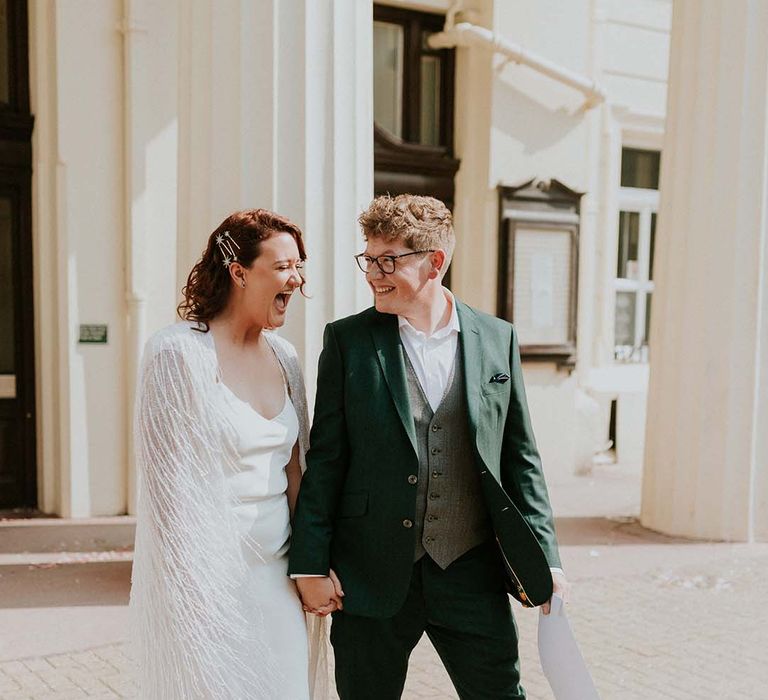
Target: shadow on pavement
68, 585
612, 531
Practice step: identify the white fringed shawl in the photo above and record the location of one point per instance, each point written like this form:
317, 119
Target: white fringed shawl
191, 638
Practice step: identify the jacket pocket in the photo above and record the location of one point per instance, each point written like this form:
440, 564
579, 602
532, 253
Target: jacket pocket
353, 504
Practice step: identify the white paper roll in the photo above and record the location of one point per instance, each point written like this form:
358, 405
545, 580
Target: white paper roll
561, 660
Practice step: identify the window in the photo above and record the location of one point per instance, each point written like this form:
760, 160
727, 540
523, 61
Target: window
413, 83
638, 204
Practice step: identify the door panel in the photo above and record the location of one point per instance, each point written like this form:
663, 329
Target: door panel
17, 367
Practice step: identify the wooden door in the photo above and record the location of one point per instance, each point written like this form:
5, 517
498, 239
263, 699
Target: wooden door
17, 362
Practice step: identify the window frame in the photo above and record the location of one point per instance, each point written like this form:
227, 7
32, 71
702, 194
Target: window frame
645, 203
547, 205
414, 23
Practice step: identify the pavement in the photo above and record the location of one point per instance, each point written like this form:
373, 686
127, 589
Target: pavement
656, 617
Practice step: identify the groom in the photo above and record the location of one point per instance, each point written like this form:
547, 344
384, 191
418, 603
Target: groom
424, 490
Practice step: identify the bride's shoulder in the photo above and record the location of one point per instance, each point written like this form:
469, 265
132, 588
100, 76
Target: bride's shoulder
181, 337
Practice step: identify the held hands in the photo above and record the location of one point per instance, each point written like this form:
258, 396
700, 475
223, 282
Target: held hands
561, 587
321, 595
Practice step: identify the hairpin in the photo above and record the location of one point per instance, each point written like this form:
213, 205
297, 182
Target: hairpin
226, 243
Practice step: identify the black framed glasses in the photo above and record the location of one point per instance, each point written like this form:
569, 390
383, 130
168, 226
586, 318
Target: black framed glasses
385, 263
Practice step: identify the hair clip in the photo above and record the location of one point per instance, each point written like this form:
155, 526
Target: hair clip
226, 243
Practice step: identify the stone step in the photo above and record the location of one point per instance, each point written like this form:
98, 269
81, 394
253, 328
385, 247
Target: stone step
44, 539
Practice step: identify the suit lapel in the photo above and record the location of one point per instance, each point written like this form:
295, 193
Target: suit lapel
471, 356
386, 338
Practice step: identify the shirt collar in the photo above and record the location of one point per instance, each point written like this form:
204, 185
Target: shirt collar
449, 328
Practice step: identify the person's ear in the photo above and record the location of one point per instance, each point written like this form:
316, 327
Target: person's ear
438, 262
237, 274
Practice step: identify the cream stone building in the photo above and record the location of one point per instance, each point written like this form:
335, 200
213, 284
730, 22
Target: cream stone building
130, 128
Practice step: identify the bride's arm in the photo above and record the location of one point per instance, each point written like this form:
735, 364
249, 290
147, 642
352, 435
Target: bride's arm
293, 472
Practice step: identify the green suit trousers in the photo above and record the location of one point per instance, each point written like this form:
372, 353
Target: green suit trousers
465, 612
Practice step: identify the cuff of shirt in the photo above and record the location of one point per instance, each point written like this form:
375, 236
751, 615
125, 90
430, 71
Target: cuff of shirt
556, 570
307, 576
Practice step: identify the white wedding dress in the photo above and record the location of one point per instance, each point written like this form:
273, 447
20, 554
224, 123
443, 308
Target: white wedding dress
214, 615
259, 484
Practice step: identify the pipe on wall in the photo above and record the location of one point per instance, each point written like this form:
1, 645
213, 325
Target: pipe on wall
466, 34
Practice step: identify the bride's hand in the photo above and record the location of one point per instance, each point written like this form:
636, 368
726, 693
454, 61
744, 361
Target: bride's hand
318, 595
336, 583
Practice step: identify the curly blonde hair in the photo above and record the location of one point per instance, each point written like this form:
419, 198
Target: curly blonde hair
421, 223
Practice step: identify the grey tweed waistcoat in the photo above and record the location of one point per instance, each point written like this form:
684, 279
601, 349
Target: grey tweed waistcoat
451, 516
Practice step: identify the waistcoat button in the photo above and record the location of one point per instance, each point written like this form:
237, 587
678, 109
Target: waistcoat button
412, 479
407, 523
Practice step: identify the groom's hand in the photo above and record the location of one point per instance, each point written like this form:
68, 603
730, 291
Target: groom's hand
561, 587
319, 594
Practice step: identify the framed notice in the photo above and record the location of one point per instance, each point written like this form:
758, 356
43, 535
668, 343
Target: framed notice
538, 268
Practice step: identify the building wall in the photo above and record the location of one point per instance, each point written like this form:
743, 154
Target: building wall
191, 110
514, 124
104, 220
79, 211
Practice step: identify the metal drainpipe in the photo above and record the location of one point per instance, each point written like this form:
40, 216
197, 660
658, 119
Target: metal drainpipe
466, 34
134, 229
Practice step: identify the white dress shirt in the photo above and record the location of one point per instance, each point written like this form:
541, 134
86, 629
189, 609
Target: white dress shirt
432, 356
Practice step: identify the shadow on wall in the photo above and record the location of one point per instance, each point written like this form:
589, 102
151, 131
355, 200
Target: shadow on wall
541, 127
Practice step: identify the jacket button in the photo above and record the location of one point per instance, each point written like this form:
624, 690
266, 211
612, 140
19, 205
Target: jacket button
431, 517
435, 428
436, 473
412, 479
435, 450
433, 496
429, 540
407, 523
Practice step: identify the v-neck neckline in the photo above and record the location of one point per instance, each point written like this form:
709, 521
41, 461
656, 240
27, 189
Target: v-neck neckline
220, 379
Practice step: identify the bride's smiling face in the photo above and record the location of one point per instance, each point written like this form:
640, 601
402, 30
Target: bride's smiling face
270, 281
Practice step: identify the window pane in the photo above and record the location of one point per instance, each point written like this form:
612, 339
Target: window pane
430, 100
388, 43
653, 246
629, 240
542, 279
640, 168
6, 289
647, 337
4, 53
625, 318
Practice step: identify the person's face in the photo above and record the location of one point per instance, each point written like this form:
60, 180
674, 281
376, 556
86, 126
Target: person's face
270, 280
401, 292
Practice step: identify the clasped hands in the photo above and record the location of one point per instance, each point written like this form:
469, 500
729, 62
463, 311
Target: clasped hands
321, 595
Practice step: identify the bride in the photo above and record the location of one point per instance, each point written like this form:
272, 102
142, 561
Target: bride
221, 431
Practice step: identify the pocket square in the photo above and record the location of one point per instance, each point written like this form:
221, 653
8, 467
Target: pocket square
499, 378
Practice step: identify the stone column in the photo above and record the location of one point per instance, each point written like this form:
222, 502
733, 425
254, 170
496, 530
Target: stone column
277, 112
323, 154
706, 457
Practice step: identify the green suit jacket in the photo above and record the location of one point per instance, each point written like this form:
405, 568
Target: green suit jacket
355, 496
